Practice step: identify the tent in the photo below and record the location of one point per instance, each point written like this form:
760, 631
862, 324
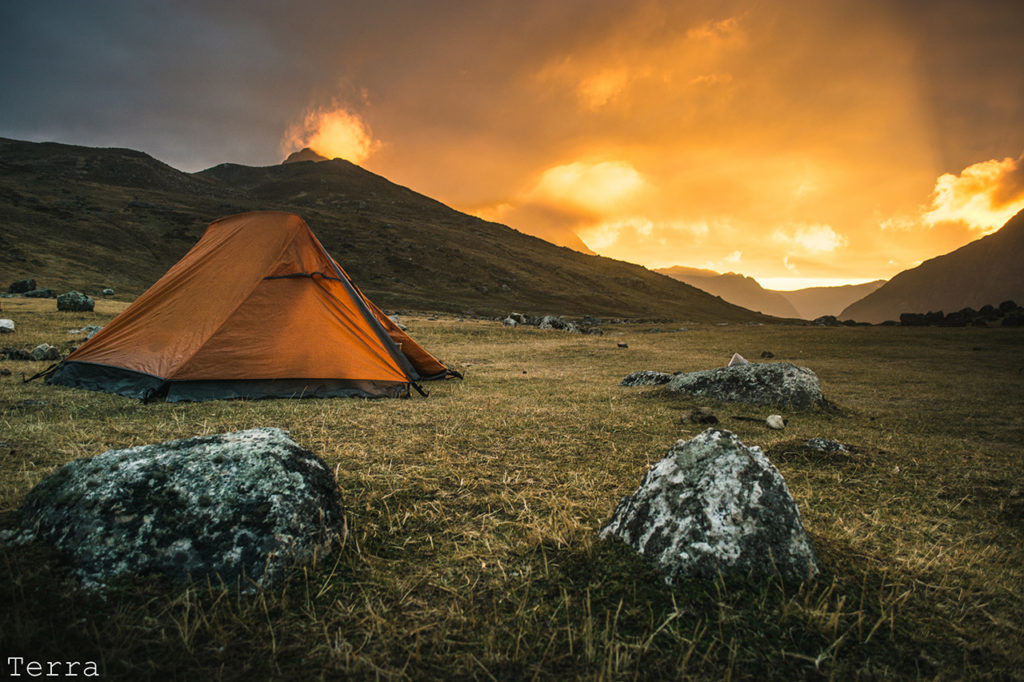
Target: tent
256, 309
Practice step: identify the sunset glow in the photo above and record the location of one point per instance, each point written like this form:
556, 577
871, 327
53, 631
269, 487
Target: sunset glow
333, 133
843, 141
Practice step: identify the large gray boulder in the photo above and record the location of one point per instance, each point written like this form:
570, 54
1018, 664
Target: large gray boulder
75, 301
713, 504
779, 384
243, 506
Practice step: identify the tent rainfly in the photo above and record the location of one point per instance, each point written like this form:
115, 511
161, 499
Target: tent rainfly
257, 309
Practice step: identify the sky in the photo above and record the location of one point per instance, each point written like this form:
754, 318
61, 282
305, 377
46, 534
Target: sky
799, 142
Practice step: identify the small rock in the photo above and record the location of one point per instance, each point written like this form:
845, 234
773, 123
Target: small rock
622, 345
40, 293
21, 286
108, 292
737, 359
509, 322
6, 326
89, 330
646, 377
702, 415
45, 351
713, 504
775, 421
75, 301
767, 354
826, 446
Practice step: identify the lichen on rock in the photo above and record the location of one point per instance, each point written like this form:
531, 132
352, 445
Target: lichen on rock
778, 384
713, 504
244, 506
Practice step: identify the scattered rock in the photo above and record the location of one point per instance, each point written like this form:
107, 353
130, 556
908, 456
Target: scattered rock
775, 421
737, 359
622, 345
826, 445
6, 326
713, 504
646, 377
45, 351
773, 383
75, 301
519, 318
397, 319
89, 330
21, 286
552, 322
509, 322
701, 415
767, 355
40, 293
108, 292
241, 506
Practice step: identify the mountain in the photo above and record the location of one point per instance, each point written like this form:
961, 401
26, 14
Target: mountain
86, 218
989, 270
304, 154
814, 302
735, 288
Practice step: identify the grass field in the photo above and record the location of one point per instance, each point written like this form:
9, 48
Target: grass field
474, 514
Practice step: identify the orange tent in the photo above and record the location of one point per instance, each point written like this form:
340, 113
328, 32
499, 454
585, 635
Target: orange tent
256, 309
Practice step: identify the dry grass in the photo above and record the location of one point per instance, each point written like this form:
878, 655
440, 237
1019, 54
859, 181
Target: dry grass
473, 551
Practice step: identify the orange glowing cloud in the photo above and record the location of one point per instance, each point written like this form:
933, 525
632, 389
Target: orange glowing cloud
984, 195
600, 187
334, 133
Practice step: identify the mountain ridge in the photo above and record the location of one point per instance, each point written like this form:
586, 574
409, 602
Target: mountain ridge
87, 218
987, 271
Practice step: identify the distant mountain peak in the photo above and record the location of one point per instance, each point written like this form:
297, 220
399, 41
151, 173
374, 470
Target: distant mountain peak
304, 154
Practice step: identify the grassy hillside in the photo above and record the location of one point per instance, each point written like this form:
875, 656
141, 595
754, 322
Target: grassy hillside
474, 514
84, 218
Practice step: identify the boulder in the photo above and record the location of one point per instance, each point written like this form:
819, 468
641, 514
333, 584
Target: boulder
45, 351
108, 292
713, 504
780, 384
646, 377
40, 293
6, 326
553, 322
244, 506
519, 318
21, 286
75, 301
509, 322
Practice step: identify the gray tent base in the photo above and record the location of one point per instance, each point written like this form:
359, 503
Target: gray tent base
147, 387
